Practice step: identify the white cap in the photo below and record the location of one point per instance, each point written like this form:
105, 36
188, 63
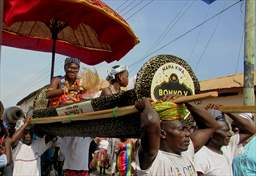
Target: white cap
216, 114
247, 116
116, 69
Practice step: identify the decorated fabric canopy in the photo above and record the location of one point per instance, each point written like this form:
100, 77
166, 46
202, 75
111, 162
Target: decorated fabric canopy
86, 29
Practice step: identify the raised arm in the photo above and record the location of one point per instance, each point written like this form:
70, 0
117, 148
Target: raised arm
8, 150
248, 127
19, 133
54, 89
150, 139
201, 136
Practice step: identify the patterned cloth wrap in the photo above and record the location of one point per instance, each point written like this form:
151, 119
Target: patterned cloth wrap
168, 110
69, 96
124, 159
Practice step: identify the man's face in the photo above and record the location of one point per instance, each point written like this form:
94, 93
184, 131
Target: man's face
27, 138
177, 135
192, 127
124, 78
191, 124
72, 71
222, 136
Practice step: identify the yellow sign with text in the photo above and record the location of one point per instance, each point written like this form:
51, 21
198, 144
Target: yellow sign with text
171, 78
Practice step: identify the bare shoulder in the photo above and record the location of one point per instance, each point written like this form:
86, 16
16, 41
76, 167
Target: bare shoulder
106, 92
55, 82
56, 79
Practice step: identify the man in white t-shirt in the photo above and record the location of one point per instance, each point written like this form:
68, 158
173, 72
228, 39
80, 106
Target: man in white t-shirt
166, 147
27, 152
216, 157
26, 157
76, 155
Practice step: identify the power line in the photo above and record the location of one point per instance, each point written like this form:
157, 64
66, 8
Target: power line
172, 23
187, 32
207, 44
241, 41
125, 7
198, 37
133, 7
192, 29
169, 27
125, 1
195, 44
139, 10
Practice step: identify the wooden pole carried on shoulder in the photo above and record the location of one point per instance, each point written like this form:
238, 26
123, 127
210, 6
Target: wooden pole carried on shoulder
115, 112
238, 109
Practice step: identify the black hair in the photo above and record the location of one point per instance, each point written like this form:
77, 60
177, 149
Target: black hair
220, 117
115, 66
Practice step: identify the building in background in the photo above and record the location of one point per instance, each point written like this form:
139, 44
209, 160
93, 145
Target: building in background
229, 88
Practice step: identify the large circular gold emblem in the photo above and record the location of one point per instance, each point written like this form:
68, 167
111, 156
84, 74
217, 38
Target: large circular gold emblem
166, 74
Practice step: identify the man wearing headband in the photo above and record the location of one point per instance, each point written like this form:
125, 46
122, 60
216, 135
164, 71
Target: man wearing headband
27, 152
167, 146
65, 90
216, 157
117, 77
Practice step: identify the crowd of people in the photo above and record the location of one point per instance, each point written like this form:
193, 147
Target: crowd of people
198, 142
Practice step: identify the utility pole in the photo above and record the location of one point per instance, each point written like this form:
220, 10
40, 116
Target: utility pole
1, 39
249, 55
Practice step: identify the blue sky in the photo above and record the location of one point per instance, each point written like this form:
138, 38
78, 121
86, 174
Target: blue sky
214, 49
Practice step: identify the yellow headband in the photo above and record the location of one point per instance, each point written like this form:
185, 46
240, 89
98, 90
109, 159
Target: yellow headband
168, 110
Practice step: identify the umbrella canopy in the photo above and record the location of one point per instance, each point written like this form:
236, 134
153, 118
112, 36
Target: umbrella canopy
86, 29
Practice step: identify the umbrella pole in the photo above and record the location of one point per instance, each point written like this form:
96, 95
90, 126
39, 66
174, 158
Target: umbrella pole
54, 38
55, 27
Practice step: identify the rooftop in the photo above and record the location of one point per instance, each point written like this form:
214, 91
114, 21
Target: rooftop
224, 82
